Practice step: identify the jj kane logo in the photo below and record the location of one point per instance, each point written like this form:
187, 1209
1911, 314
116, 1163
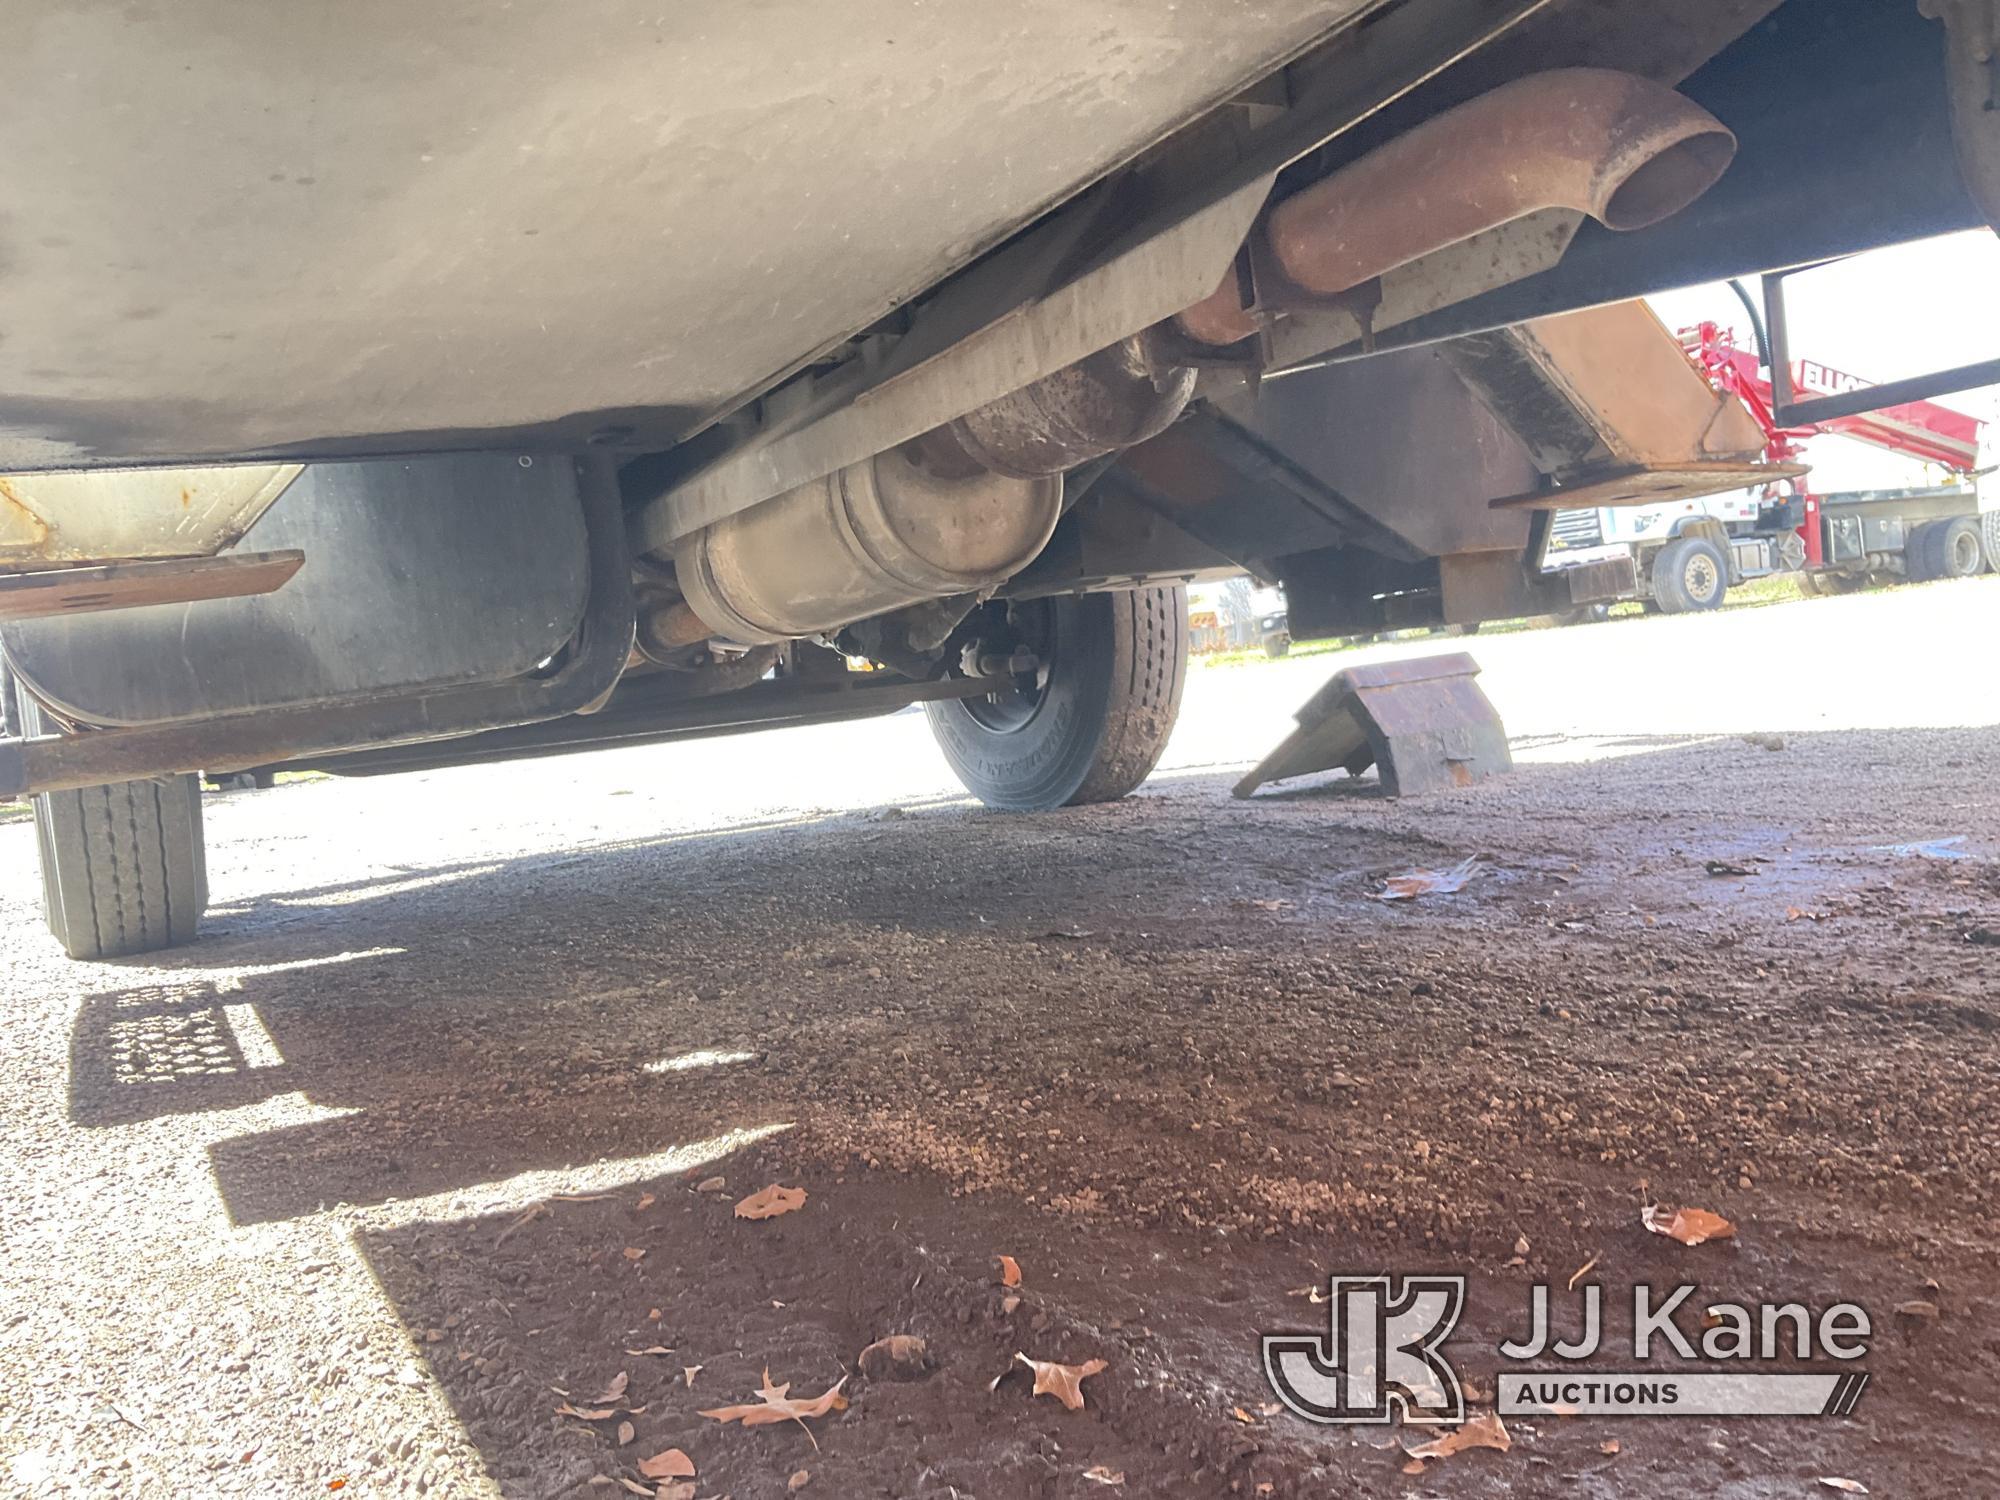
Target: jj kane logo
1381, 1357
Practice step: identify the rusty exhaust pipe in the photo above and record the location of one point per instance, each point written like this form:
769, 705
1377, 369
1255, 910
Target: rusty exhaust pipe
1621, 148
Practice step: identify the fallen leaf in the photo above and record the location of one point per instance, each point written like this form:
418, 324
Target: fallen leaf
646, 1201
900, 1356
1691, 1226
1010, 1270
653, 1316
626, 1432
1414, 883
1608, 1446
653, 1349
773, 1405
587, 1414
634, 1254
768, 1203
615, 1391
688, 1373
637, 1488
799, 1480
711, 1184
676, 1489
1414, 1466
1845, 1486
1483, 1431
1927, 1310
1064, 1382
1098, 1474
1270, 1408
1582, 1271
672, 1464
1241, 1415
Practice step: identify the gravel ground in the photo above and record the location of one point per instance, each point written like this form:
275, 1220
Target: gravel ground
422, 1138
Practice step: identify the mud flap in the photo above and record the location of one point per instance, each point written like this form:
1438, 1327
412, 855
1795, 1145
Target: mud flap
1425, 723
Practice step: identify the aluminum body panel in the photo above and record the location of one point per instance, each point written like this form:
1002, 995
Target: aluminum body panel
71, 517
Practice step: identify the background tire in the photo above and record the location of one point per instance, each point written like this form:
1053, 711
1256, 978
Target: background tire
123, 869
1690, 573
1092, 726
1921, 556
1989, 529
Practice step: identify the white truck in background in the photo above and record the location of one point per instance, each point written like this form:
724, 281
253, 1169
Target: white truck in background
1687, 553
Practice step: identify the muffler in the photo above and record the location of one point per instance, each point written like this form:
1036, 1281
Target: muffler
956, 511
877, 535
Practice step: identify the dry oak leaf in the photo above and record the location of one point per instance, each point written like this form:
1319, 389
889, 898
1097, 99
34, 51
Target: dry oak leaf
1099, 1474
614, 1391
1691, 1226
773, 1405
1608, 1446
672, 1464
1845, 1486
1484, 1431
626, 1432
646, 1201
634, 1253
688, 1373
1064, 1382
768, 1203
1010, 1270
587, 1414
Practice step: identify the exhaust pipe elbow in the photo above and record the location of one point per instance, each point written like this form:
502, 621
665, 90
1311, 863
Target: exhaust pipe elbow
1621, 148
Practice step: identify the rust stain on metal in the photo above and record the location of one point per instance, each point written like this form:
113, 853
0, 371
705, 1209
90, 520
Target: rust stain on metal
19, 526
1619, 147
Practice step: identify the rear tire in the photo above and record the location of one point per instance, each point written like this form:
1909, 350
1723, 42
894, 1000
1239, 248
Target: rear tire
1920, 560
1956, 550
123, 868
1989, 531
1090, 724
1690, 574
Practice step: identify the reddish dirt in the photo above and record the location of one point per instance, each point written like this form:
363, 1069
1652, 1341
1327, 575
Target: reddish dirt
1166, 1053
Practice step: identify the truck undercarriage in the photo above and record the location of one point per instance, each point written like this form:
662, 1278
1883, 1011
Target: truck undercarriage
656, 371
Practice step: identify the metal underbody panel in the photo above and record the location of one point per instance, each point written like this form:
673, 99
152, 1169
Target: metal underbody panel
323, 227
419, 572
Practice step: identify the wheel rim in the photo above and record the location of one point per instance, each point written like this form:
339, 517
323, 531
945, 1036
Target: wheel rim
1700, 577
1015, 707
1964, 556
